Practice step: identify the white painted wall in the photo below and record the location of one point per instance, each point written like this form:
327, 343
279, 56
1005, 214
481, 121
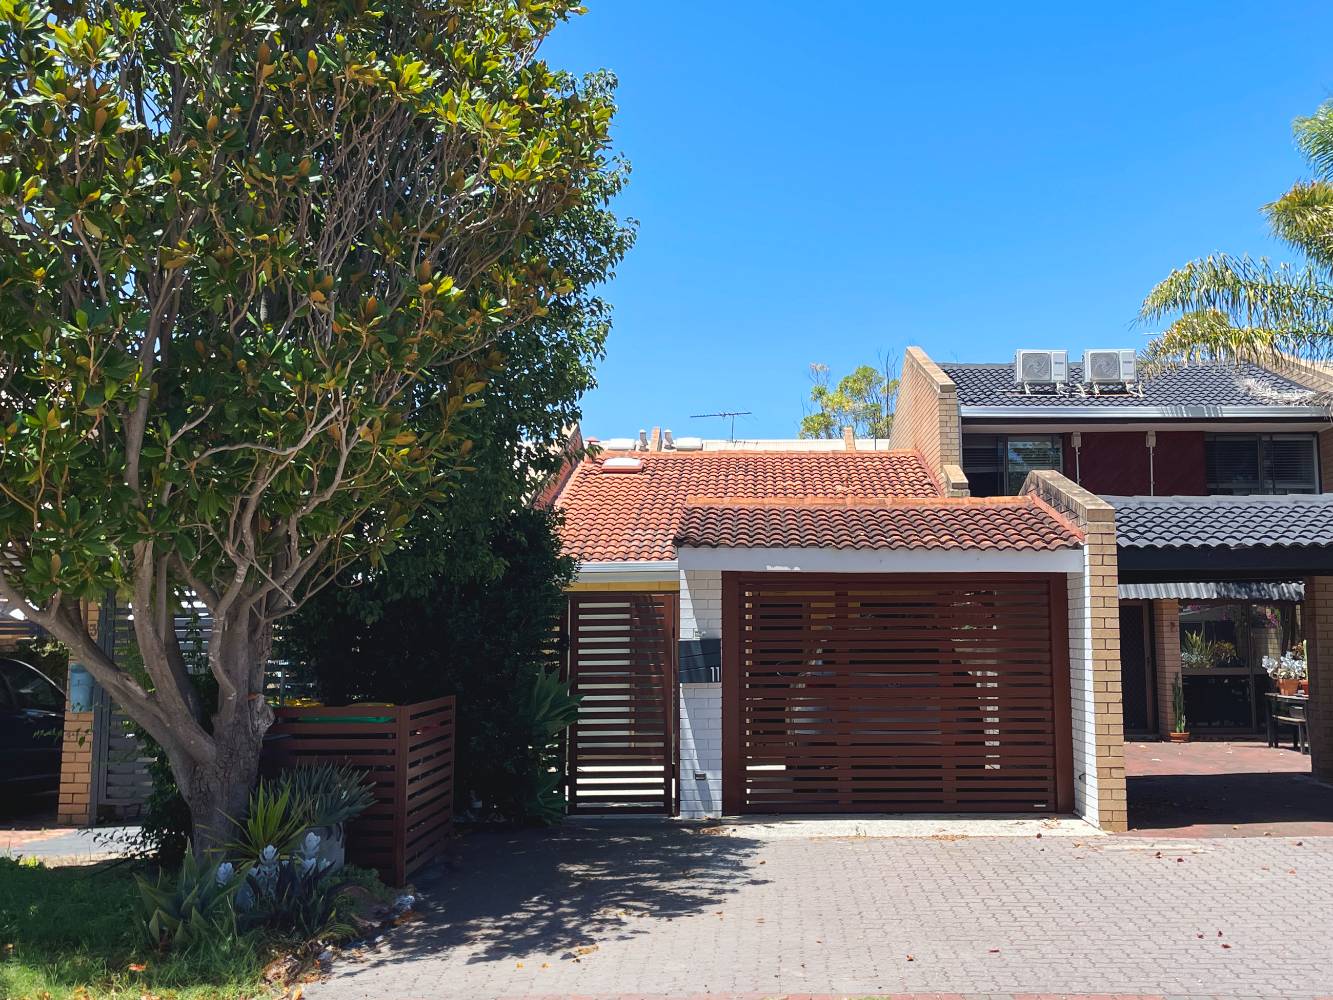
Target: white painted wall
1084, 721
700, 704
700, 751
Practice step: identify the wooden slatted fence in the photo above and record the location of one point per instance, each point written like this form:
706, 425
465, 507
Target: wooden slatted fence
895, 694
623, 749
408, 751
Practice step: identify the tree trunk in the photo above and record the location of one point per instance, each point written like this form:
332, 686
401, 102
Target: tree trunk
218, 793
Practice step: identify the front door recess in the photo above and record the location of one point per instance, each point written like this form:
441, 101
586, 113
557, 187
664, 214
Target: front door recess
622, 665
945, 693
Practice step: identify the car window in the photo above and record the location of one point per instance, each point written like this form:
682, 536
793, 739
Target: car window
32, 688
6, 699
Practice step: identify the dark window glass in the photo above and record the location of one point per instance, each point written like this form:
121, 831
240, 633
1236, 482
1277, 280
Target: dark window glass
1030, 454
6, 699
1240, 464
32, 689
983, 463
1291, 463
997, 464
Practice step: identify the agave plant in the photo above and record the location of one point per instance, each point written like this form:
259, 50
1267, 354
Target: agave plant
328, 794
294, 893
549, 709
273, 818
196, 906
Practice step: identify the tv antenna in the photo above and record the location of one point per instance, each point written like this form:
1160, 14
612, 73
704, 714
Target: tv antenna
726, 414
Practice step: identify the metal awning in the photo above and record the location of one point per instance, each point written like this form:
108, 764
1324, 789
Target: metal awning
1258, 591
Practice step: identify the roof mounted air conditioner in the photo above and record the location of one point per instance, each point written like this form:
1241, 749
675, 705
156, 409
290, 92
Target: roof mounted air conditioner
1041, 368
1110, 367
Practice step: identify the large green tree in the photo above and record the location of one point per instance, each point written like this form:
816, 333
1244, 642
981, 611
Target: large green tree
256, 257
863, 400
1229, 307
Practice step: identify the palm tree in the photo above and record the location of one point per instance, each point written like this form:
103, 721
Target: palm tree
1231, 308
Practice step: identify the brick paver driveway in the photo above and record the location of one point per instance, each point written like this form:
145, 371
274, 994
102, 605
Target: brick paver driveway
656, 910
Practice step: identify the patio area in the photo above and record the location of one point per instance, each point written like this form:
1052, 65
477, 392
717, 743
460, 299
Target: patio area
1232, 788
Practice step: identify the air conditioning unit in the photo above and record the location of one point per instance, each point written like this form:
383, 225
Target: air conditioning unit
1110, 366
1041, 367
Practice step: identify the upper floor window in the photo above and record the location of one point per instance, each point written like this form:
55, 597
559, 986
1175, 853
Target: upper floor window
997, 464
1240, 464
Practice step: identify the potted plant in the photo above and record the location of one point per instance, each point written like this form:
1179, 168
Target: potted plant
1179, 726
327, 796
1288, 671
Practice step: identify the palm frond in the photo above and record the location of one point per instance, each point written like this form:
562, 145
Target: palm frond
1314, 136
1296, 303
1303, 217
1209, 335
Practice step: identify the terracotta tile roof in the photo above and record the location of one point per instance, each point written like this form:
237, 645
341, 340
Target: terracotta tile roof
997, 523
614, 516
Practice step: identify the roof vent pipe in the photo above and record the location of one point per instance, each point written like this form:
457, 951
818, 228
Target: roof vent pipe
643, 440
669, 443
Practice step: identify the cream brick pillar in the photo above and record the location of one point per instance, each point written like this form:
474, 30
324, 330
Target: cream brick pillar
1166, 658
926, 419
1319, 649
1094, 655
75, 804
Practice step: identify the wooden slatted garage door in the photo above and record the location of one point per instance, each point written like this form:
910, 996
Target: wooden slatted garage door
895, 694
622, 665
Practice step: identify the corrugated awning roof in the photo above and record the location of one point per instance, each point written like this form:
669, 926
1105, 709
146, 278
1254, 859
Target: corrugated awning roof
1222, 590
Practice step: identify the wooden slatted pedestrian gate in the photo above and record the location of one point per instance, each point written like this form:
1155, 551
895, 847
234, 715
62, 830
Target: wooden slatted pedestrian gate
945, 693
623, 750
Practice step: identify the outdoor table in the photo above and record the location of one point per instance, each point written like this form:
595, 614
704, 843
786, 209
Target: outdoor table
1289, 709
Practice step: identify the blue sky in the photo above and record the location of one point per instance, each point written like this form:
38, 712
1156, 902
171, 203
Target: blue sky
830, 182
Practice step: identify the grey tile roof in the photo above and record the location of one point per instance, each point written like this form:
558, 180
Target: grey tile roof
1194, 386
1221, 590
1302, 521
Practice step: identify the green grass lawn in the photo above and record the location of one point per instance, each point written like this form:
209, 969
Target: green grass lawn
69, 932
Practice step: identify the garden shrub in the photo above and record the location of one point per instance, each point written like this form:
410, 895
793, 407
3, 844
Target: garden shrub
469, 610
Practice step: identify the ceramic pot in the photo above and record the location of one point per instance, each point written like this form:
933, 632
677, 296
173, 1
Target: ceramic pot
332, 845
1288, 685
1180, 737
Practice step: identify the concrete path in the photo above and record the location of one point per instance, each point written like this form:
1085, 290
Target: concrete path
63, 845
1233, 788
666, 911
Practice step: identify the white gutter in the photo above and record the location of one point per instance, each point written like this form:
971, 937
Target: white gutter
627, 570
829, 560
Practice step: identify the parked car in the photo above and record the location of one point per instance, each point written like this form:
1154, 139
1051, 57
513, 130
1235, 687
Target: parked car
32, 714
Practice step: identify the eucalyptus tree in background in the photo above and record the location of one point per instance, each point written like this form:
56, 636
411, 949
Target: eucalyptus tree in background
862, 400
1234, 307
255, 262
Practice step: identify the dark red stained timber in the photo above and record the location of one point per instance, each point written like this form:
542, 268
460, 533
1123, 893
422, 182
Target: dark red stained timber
946, 693
409, 755
623, 751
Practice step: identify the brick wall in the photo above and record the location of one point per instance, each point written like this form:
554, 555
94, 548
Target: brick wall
1166, 657
75, 805
1319, 649
700, 704
926, 419
1094, 654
